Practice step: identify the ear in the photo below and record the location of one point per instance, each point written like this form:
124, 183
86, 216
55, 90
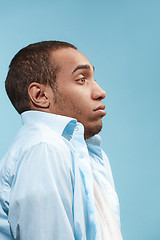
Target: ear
39, 95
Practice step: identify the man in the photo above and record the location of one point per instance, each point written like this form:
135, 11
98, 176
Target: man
55, 181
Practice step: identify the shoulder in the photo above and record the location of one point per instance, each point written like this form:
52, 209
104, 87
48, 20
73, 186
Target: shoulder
31, 135
35, 146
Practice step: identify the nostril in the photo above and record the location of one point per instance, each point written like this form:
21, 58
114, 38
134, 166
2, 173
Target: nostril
99, 98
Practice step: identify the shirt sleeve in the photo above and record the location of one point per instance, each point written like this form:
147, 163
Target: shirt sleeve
42, 195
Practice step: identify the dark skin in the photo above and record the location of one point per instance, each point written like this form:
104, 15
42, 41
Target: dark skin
77, 95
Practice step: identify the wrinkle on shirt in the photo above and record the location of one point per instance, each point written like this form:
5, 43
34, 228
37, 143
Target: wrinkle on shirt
46, 178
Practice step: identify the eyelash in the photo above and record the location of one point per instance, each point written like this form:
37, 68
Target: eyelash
82, 78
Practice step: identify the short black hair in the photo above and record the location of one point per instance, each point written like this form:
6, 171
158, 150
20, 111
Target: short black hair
32, 64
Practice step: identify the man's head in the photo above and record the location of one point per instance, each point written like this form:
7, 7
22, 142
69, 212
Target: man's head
62, 84
32, 64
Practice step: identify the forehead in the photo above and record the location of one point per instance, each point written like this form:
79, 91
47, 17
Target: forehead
68, 59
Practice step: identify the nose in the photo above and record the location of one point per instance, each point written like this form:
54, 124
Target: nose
98, 93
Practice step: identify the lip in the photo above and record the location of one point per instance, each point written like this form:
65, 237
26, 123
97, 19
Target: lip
100, 109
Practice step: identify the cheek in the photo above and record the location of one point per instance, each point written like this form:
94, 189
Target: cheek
76, 99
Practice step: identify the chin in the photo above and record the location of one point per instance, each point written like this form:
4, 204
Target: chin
91, 131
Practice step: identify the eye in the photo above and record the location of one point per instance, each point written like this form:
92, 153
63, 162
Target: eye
81, 80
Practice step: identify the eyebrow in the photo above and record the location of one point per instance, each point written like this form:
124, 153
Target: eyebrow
83, 67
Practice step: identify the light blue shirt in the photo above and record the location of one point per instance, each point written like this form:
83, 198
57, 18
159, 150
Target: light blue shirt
46, 181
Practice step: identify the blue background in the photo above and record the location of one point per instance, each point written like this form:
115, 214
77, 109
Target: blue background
122, 40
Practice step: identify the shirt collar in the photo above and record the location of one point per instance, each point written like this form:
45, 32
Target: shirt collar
57, 123
95, 140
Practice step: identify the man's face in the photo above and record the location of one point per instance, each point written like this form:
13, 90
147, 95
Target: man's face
78, 95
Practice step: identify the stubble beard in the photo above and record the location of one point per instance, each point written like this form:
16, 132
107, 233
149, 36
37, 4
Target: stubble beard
91, 131
71, 110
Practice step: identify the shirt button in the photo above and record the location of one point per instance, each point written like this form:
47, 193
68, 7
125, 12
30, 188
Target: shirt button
76, 128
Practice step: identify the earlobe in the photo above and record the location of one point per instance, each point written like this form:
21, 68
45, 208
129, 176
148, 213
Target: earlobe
38, 95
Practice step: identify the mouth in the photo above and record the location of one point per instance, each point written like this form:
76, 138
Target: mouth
101, 110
